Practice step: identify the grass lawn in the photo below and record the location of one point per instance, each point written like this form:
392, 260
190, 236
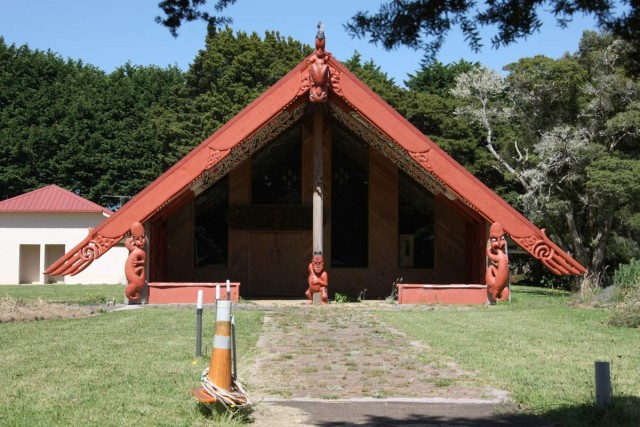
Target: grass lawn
113, 369
66, 294
136, 367
541, 350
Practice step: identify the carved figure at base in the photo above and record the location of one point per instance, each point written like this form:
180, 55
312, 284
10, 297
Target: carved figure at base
134, 268
318, 280
498, 268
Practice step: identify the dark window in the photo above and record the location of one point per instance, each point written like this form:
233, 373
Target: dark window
276, 171
349, 201
211, 232
416, 244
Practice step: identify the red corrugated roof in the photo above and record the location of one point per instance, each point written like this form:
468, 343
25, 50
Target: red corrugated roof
51, 199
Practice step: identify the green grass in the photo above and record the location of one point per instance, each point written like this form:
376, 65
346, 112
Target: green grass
539, 349
66, 294
114, 369
136, 367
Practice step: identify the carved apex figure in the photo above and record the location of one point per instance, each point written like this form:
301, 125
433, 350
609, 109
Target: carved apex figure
498, 268
134, 268
319, 69
318, 280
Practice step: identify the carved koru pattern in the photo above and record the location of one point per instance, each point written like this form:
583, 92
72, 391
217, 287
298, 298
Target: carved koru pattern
542, 248
92, 247
536, 246
97, 246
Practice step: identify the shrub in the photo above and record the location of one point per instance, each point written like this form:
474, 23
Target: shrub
628, 315
342, 298
628, 275
627, 280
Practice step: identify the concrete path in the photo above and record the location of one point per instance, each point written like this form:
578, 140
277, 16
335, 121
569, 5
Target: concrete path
342, 366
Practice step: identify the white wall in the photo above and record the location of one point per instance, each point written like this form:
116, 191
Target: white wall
67, 229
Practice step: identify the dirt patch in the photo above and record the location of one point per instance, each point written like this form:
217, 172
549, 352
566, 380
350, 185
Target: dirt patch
19, 310
269, 415
344, 352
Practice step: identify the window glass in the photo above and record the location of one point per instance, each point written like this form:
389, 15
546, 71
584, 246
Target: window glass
210, 226
349, 201
416, 245
276, 171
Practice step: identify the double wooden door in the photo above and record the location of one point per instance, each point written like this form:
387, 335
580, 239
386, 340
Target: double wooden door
275, 264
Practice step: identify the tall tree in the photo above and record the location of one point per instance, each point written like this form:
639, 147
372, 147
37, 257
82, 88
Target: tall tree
232, 70
572, 115
425, 25
379, 81
428, 105
70, 124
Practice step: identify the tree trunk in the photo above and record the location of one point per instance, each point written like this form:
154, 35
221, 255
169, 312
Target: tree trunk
600, 240
578, 245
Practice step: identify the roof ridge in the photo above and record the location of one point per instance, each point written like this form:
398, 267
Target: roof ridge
51, 198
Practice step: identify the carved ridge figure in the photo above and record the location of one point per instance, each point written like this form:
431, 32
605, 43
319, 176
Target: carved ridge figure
319, 69
498, 268
318, 280
134, 268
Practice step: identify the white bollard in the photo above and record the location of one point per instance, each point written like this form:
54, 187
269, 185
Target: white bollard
199, 323
217, 291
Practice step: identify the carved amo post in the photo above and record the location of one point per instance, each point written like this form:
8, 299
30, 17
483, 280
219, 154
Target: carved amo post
498, 269
134, 268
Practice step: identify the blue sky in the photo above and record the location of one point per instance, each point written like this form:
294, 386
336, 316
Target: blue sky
108, 33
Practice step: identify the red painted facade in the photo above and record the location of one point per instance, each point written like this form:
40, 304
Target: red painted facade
464, 206
187, 293
442, 294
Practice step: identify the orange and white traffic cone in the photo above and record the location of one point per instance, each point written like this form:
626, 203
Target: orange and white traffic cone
217, 378
220, 364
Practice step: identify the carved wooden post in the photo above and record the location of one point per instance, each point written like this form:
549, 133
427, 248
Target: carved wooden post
317, 181
135, 265
603, 384
319, 79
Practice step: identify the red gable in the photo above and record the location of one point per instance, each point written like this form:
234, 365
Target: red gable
357, 107
51, 199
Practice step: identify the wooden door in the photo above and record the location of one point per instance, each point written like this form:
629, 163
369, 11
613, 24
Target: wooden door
288, 264
262, 266
275, 264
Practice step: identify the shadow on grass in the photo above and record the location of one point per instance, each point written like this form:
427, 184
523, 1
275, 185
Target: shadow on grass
543, 292
505, 420
623, 411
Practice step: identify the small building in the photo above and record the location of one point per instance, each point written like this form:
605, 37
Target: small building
39, 227
318, 164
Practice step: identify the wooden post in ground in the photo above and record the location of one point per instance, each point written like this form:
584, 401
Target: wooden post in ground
603, 384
